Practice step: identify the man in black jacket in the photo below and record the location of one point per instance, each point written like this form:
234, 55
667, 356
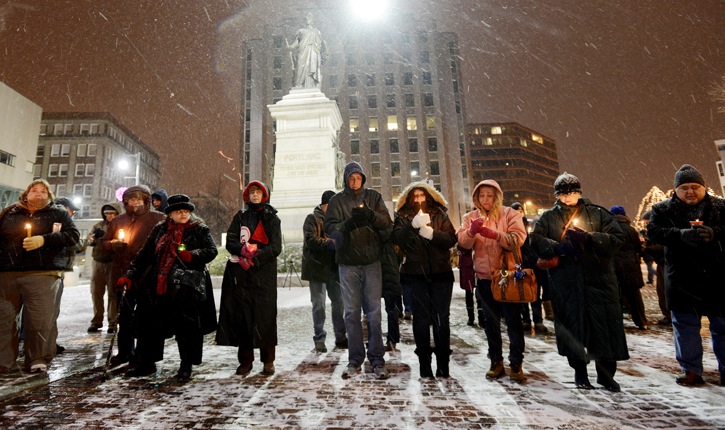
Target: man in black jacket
319, 268
355, 219
690, 225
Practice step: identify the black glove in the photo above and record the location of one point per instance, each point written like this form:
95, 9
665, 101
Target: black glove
579, 238
98, 233
368, 213
331, 245
360, 216
565, 248
690, 236
706, 233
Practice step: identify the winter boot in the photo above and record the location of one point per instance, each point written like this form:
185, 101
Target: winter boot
517, 373
497, 370
540, 328
581, 379
471, 316
548, 310
605, 375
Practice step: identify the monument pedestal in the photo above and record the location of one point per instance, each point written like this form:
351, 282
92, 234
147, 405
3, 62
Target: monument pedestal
307, 157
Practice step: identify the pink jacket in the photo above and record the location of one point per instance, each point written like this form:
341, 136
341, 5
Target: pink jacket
487, 252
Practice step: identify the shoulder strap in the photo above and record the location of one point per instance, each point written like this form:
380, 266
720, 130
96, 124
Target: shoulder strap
568, 224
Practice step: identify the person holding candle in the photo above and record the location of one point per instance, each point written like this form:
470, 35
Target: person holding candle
583, 285
164, 308
101, 277
136, 224
32, 260
248, 307
690, 227
487, 231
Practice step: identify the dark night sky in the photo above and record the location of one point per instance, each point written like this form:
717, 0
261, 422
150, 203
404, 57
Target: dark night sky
620, 85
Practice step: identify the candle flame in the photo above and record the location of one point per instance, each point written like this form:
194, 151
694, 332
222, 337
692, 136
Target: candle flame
121, 234
27, 227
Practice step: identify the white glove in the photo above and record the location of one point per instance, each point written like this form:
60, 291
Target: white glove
420, 219
426, 231
33, 242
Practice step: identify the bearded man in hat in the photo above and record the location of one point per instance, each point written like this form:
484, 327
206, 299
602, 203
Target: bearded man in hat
690, 226
125, 236
320, 269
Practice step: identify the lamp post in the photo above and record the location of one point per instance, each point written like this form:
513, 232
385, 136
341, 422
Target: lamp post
123, 164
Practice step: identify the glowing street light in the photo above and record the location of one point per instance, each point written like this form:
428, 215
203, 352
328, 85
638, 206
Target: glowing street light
123, 165
369, 10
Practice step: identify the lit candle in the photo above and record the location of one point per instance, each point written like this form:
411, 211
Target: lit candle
27, 228
576, 221
696, 222
121, 234
181, 247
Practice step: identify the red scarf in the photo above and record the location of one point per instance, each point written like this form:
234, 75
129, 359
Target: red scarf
166, 248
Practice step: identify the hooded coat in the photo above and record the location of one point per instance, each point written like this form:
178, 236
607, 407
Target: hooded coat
99, 230
248, 308
424, 259
356, 246
163, 196
318, 257
693, 278
584, 289
487, 252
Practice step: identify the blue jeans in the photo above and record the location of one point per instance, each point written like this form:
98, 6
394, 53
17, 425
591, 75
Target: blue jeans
688, 342
407, 299
493, 311
361, 288
432, 306
319, 291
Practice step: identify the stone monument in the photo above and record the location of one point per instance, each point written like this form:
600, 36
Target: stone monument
307, 157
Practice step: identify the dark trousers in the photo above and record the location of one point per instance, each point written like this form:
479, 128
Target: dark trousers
125, 336
394, 308
494, 311
478, 309
431, 303
633, 296
246, 355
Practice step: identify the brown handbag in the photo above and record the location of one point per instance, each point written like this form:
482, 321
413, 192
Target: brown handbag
512, 283
550, 263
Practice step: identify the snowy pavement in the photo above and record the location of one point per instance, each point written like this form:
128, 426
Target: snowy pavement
307, 391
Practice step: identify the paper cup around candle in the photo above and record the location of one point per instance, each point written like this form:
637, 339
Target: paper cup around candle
27, 228
121, 234
696, 222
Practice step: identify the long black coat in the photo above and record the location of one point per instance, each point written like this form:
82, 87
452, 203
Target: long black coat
584, 289
318, 258
694, 274
248, 309
627, 259
160, 312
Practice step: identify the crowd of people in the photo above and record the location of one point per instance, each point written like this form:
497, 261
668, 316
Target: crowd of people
150, 256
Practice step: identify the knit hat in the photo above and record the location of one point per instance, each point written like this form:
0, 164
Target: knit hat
178, 202
567, 183
617, 210
65, 201
688, 174
326, 197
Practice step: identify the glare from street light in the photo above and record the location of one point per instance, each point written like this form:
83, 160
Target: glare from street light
123, 164
369, 10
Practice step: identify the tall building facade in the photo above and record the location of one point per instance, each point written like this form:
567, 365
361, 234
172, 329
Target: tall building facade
521, 160
19, 121
79, 155
398, 88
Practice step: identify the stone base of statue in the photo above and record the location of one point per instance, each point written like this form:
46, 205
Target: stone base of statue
307, 157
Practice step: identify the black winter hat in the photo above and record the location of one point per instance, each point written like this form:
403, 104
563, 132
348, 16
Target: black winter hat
567, 183
179, 201
688, 174
65, 201
326, 197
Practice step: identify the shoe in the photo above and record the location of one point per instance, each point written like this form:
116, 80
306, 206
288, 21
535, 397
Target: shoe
143, 369
516, 373
243, 369
425, 370
320, 347
94, 328
380, 372
643, 327
111, 330
665, 321
609, 384
496, 371
59, 349
442, 371
184, 372
408, 316
582, 381
540, 328
38, 368
341, 344
350, 371
268, 369
690, 379
390, 347
470, 322
118, 360
527, 327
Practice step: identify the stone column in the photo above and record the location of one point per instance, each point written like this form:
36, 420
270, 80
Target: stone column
307, 157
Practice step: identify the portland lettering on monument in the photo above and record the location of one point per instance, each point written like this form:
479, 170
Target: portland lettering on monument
307, 157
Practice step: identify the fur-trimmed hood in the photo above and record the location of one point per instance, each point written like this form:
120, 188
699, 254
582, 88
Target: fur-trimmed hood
437, 197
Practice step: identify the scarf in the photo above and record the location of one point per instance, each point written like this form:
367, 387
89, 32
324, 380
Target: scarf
166, 248
259, 235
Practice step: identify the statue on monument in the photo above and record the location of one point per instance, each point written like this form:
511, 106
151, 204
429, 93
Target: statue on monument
308, 53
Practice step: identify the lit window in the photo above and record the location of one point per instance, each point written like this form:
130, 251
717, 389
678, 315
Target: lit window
430, 122
354, 125
523, 142
392, 122
536, 138
496, 130
373, 124
489, 141
412, 124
